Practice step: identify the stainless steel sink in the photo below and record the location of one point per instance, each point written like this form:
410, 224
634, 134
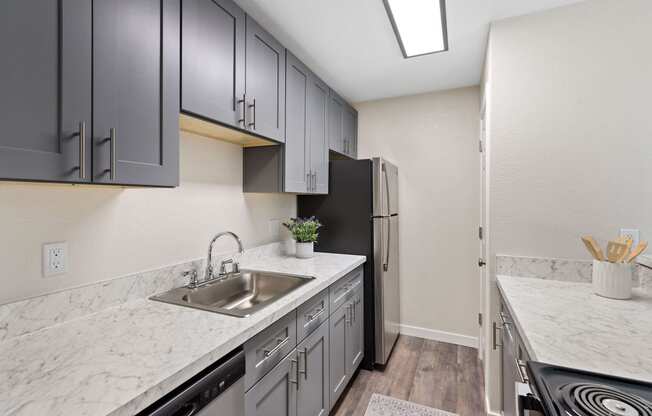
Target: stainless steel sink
240, 294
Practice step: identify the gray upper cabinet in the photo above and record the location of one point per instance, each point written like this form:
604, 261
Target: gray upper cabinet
45, 79
276, 393
336, 107
314, 357
297, 167
136, 55
265, 83
317, 133
350, 132
213, 61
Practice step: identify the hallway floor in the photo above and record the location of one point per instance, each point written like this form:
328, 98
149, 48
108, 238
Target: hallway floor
436, 374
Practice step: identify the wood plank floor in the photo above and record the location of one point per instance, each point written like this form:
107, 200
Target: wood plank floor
436, 374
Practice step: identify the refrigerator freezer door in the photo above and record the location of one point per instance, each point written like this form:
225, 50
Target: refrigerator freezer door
385, 182
386, 283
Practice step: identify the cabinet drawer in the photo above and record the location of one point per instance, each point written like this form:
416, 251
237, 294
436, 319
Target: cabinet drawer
267, 348
311, 314
344, 289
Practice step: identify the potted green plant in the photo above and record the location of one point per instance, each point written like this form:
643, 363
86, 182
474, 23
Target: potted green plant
304, 232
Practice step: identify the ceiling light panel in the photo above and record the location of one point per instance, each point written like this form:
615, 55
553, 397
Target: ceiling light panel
420, 25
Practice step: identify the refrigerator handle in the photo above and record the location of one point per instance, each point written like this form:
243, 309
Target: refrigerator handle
389, 225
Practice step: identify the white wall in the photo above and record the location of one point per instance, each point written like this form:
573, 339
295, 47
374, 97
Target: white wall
433, 138
113, 231
570, 130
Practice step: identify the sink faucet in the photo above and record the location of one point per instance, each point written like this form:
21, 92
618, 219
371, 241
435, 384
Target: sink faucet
210, 275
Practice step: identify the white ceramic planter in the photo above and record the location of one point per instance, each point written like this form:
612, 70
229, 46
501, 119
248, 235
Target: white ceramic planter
305, 250
612, 280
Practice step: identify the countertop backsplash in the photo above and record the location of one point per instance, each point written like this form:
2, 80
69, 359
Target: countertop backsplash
561, 269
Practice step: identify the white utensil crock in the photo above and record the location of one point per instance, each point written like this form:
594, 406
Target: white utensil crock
305, 250
612, 280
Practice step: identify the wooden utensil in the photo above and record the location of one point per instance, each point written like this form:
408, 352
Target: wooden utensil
640, 248
628, 243
593, 247
615, 251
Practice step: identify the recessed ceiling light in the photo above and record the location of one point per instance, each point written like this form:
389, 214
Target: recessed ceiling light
420, 25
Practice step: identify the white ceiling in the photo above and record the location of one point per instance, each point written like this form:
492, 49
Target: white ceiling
350, 44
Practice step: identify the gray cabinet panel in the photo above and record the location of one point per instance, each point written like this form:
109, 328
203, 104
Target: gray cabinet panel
350, 131
318, 96
276, 393
297, 149
355, 340
268, 347
45, 79
213, 60
313, 398
335, 122
136, 92
339, 377
312, 314
265, 82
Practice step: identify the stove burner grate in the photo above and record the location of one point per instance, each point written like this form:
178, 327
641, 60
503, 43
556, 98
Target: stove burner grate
598, 400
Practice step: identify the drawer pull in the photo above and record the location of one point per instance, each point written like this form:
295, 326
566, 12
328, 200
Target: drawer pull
277, 348
522, 371
305, 363
312, 317
503, 318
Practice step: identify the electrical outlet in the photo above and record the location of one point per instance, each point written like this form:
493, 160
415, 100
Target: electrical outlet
55, 258
630, 233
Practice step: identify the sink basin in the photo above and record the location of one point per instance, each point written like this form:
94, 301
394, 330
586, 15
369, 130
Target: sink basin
238, 295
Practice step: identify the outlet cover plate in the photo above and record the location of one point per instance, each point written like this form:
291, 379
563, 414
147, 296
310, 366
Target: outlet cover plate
55, 258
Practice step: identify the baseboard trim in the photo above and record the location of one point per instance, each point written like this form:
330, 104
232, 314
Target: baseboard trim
442, 336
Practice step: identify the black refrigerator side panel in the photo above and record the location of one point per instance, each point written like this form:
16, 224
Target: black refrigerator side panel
348, 228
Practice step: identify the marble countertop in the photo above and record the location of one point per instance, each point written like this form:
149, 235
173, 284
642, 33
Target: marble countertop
564, 323
120, 360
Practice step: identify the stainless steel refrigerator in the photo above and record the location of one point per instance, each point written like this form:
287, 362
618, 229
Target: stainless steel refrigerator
361, 216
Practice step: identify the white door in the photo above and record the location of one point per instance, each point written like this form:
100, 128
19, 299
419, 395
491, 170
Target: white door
482, 232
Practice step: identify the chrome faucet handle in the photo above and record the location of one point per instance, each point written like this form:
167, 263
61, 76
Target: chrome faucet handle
223, 266
193, 277
236, 267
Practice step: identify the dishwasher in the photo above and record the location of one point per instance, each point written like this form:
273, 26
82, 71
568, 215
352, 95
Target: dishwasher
216, 391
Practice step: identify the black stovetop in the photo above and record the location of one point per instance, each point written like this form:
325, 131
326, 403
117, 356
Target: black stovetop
569, 392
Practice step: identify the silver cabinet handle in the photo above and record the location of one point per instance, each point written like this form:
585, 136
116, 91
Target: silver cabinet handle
244, 109
494, 336
503, 318
314, 186
294, 363
81, 133
312, 317
112, 139
252, 125
277, 348
347, 319
305, 363
308, 182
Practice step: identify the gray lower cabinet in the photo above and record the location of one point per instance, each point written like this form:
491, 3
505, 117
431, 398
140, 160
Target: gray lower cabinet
264, 83
355, 340
213, 61
339, 376
45, 79
276, 393
313, 398
136, 52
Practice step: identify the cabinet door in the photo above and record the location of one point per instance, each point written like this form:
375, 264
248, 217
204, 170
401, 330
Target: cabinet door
350, 126
317, 133
297, 158
45, 79
355, 338
136, 61
213, 60
339, 323
265, 83
313, 352
335, 122
276, 393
